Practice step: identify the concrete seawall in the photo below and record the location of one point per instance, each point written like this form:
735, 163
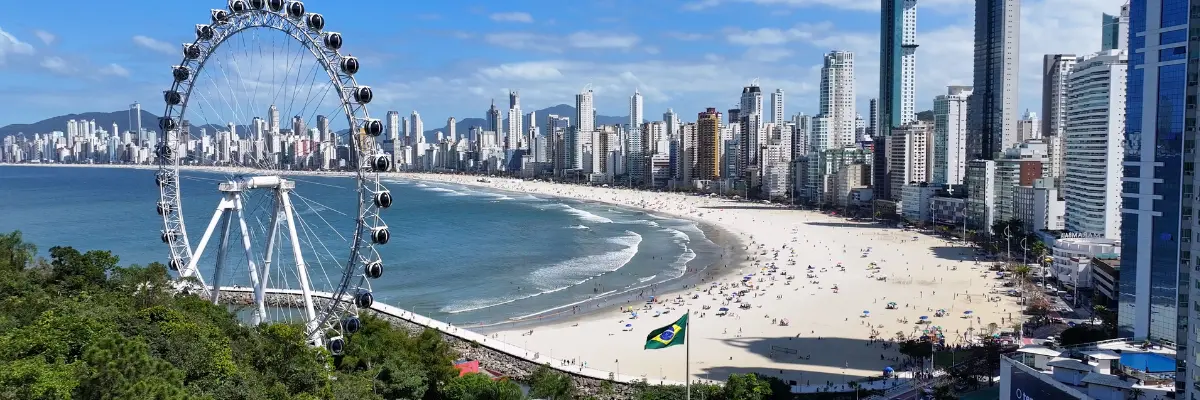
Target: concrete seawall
492, 353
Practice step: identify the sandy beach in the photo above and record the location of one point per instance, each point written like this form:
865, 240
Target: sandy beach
919, 273
923, 274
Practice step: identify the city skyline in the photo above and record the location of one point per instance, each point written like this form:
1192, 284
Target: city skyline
769, 42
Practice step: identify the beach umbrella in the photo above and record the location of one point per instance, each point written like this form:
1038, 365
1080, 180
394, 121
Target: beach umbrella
968, 312
924, 317
866, 312
723, 309
628, 325
891, 303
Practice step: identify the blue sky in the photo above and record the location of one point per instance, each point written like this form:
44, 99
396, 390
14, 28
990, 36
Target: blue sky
450, 57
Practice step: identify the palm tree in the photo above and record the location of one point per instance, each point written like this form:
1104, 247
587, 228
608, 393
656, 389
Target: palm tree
1136, 394
1022, 271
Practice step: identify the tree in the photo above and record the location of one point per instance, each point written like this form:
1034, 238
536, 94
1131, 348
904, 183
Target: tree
74, 271
1108, 319
546, 383
943, 392
481, 387
1083, 334
916, 348
401, 378
118, 369
747, 387
1022, 271
15, 253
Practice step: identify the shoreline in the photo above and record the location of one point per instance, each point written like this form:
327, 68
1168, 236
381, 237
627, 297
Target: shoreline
870, 264
731, 244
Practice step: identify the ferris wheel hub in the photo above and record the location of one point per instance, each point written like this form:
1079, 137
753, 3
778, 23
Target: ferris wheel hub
256, 182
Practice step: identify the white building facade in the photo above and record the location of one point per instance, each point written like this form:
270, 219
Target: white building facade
1093, 144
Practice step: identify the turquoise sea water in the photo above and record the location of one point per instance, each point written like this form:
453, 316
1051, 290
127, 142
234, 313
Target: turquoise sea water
459, 254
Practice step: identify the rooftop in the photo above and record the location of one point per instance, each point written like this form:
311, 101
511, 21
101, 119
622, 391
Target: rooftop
1102, 364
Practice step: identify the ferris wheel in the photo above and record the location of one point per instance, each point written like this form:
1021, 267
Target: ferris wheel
302, 248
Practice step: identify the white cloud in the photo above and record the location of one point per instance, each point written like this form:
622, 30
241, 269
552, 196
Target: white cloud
114, 70
592, 40
57, 65
775, 36
512, 17
664, 83
47, 38
651, 50
155, 45
11, 46
556, 44
945, 55
533, 71
522, 41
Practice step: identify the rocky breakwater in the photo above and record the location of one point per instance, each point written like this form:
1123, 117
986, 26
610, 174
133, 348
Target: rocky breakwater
517, 367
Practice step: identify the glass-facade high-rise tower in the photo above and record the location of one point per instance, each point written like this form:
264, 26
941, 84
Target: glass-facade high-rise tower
992, 112
1157, 209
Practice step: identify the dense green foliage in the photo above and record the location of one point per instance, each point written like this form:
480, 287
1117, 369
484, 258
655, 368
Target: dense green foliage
80, 326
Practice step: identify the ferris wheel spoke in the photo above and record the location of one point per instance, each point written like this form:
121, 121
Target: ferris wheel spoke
228, 77
310, 238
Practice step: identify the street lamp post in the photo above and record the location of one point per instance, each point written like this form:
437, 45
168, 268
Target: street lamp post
1024, 251
1007, 244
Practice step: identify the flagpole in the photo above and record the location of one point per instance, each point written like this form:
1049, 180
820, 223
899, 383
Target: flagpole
687, 355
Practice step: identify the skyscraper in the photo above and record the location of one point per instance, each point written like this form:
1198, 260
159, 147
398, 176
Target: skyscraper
949, 135
585, 111
635, 112
1092, 165
323, 128
493, 118
1157, 254
777, 112
873, 117
416, 128
897, 64
514, 131
750, 137
672, 121
393, 126
1114, 30
135, 121
837, 97
1055, 69
992, 122
273, 120
708, 145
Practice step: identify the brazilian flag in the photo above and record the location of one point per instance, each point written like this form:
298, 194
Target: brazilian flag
668, 336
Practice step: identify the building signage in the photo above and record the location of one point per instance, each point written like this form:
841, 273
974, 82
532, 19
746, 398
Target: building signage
1029, 387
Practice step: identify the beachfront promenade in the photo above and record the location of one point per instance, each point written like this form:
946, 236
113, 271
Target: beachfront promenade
533, 357
471, 336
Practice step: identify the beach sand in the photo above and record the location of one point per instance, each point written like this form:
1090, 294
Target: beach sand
923, 274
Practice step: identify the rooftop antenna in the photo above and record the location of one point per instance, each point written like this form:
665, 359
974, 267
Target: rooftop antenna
754, 82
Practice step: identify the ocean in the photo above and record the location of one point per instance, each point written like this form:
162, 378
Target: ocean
463, 255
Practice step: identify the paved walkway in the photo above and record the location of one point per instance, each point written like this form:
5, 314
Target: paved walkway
485, 341
521, 353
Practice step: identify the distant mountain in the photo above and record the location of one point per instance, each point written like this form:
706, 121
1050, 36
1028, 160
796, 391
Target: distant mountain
104, 120
462, 126
926, 116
